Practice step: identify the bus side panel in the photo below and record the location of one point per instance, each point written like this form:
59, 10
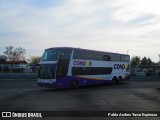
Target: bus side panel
87, 81
127, 78
65, 82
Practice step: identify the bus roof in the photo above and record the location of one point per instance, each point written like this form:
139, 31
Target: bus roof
84, 49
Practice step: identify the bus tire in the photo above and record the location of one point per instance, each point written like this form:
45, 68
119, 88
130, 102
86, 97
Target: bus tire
119, 81
114, 81
74, 84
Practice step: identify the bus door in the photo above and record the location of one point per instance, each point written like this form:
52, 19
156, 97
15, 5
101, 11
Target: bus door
63, 63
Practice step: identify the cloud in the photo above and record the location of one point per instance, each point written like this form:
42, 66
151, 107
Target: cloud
109, 25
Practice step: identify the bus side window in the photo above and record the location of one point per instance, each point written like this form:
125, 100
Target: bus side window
113, 57
107, 57
75, 54
65, 54
98, 56
118, 58
125, 58
63, 62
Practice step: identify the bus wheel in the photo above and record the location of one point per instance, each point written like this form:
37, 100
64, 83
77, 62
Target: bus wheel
119, 80
114, 81
74, 84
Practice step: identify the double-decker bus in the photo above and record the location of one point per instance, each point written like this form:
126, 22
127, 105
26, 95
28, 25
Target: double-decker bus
65, 67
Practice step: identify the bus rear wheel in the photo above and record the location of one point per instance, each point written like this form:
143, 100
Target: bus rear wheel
119, 80
114, 81
74, 84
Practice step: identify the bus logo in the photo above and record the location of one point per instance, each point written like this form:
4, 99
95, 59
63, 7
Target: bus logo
82, 63
119, 66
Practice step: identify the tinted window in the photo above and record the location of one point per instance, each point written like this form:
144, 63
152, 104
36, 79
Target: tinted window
63, 62
91, 55
113, 57
91, 70
102, 56
46, 72
65, 54
125, 58
107, 57
50, 55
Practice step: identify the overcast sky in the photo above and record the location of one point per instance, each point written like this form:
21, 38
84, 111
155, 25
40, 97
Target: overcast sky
107, 25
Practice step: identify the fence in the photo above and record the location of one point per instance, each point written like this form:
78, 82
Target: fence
148, 72
4, 76
16, 68
18, 71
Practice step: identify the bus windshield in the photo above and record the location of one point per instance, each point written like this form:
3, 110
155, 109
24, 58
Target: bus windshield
50, 55
46, 71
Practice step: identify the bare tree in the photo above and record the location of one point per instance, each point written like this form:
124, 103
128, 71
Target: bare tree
35, 59
15, 54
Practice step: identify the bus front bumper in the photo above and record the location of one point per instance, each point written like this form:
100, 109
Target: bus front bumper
47, 83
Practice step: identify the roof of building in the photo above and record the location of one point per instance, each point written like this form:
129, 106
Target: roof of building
13, 62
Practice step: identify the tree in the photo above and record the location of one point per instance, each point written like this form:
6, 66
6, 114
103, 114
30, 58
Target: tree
15, 54
3, 58
135, 60
35, 59
144, 61
149, 61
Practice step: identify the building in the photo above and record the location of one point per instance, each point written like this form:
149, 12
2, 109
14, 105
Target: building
12, 66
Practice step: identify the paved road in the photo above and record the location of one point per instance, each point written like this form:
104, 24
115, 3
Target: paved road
25, 95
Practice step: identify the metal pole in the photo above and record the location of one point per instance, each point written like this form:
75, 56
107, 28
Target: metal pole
159, 59
2, 68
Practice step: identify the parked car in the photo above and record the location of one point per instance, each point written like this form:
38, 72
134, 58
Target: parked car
149, 72
158, 72
138, 72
